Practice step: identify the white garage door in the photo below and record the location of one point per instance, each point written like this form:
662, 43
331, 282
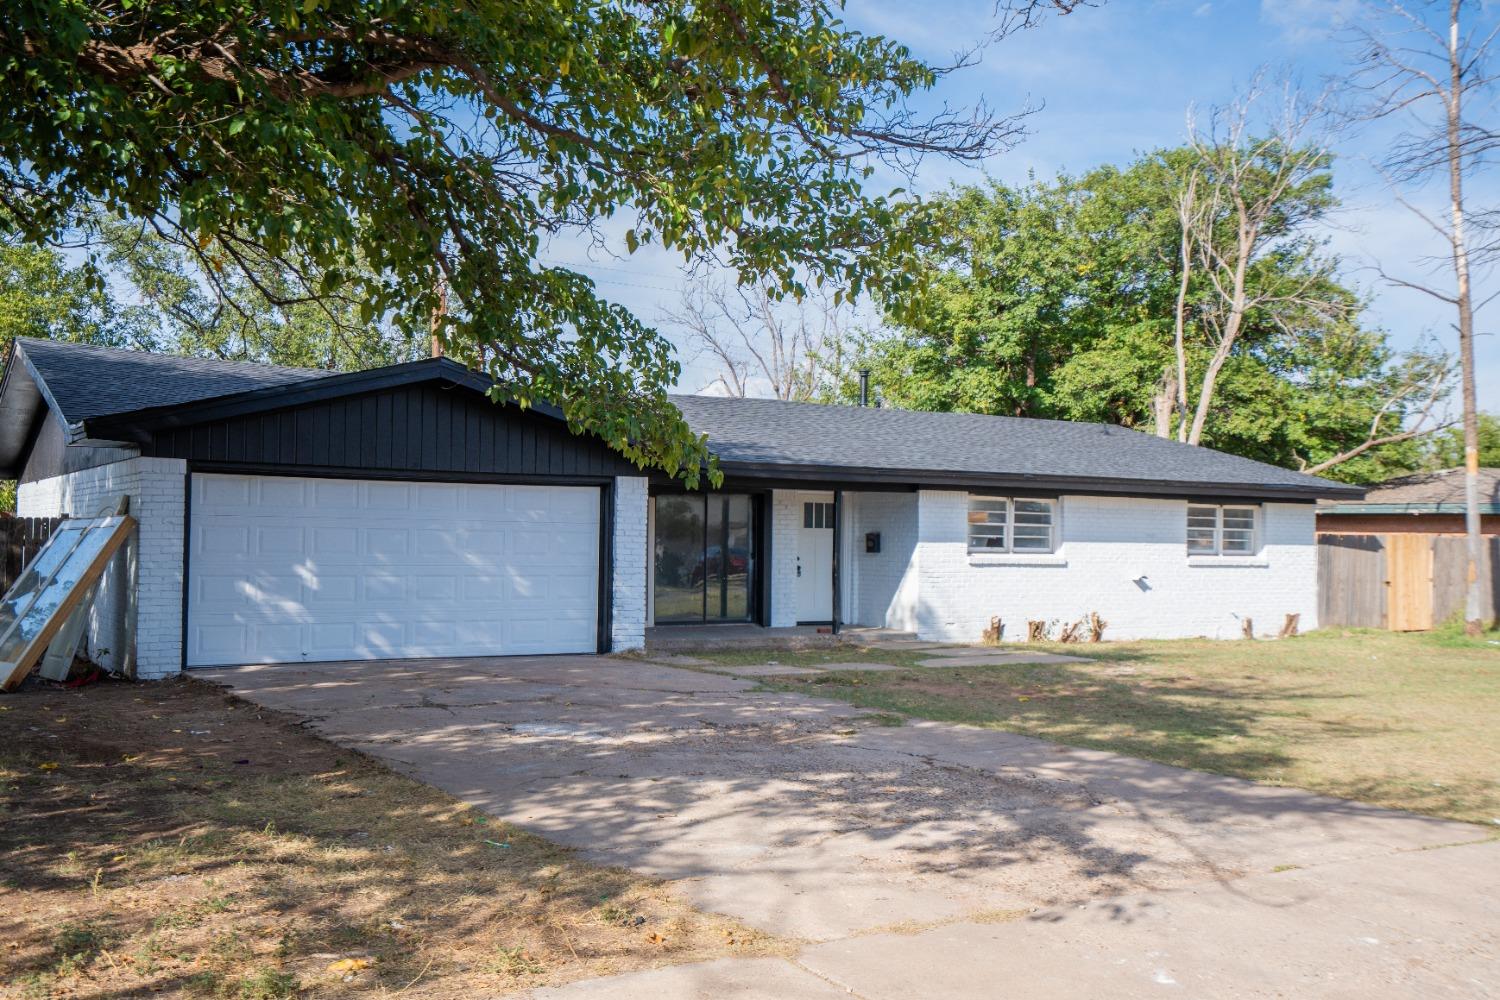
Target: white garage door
283, 570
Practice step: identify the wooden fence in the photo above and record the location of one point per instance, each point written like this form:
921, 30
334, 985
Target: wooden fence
1406, 582
23, 538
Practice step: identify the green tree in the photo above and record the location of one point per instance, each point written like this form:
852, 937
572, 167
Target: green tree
43, 294
258, 316
1445, 450
421, 147
1059, 300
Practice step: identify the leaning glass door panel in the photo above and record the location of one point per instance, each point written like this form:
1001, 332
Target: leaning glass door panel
679, 552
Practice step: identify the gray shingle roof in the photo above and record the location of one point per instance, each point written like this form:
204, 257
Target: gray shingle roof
773, 432
87, 381
766, 436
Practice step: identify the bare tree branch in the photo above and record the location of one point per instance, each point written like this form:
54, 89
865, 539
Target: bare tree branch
759, 343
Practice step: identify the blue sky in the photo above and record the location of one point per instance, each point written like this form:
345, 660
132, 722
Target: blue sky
1117, 80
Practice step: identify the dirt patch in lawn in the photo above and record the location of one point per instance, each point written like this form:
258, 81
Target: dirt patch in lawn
165, 839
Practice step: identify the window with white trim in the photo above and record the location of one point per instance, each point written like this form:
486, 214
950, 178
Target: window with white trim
1011, 524
1214, 530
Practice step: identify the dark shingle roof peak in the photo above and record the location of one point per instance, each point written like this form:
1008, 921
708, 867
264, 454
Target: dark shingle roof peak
86, 381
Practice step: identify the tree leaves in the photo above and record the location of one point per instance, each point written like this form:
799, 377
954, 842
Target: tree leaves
1057, 299
426, 143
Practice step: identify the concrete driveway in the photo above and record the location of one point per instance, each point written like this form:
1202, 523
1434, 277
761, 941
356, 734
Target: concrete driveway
924, 860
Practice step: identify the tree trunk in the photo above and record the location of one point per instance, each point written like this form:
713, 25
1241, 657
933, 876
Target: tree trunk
1473, 622
1165, 403
1206, 392
1245, 246
1187, 208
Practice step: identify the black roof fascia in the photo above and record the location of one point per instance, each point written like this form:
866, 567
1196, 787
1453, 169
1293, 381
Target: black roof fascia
22, 418
782, 475
746, 478
137, 425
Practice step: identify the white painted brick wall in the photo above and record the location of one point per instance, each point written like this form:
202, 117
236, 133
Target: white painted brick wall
1106, 544
148, 572
628, 589
883, 583
786, 521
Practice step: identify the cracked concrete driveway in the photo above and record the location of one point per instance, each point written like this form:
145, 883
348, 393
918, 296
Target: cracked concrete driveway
926, 859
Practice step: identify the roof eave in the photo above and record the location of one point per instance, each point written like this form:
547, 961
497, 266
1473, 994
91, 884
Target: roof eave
24, 400
1051, 484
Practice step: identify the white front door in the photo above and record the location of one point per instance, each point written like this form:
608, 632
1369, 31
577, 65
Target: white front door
815, 558
287, 570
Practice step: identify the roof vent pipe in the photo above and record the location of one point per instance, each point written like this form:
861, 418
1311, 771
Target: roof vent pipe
864, 387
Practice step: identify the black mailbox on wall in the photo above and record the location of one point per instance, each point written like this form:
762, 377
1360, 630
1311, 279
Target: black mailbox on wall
872, 541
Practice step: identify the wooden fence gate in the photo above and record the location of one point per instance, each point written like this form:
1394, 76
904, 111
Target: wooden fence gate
23, 538
1406, 582
1408, 568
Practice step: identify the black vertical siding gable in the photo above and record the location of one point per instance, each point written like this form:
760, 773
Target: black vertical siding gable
426, 429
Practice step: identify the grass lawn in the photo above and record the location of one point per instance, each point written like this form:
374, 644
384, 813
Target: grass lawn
165, 839
1409, 721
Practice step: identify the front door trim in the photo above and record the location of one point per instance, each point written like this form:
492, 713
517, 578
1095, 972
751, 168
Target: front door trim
814, 562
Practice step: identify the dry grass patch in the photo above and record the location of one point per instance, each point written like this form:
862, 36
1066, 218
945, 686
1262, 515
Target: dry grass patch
166, 839
1399, 720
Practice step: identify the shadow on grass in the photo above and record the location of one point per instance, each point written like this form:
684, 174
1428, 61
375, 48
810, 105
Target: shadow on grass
1186, 722
202, 847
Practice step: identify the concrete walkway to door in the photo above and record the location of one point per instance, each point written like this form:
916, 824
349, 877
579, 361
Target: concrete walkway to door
924, 860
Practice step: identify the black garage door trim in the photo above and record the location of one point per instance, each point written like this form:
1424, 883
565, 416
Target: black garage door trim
606, 569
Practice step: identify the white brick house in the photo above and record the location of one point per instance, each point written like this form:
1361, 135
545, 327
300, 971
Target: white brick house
288, 514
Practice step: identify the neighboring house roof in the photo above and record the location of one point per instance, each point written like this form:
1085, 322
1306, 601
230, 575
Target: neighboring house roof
1440, 492
103, 394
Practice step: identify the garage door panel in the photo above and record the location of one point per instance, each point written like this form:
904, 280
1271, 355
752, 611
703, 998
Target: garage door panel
437, 498
364, 570
435, 588
335, 494
328, 589
434, 635
276, 640
386, 496
330, 637
386, 588
227, 641
285, 493
385, 640
384, 544
575, 591
279, 540
222, 539
332, 542
224, 492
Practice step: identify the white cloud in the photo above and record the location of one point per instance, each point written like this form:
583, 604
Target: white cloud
1203, 10
1302, 21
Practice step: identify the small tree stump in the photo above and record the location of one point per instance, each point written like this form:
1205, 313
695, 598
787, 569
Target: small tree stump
995, 632
1036, 631
1247, 628
1289, 629
1069, 633
1097, 626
